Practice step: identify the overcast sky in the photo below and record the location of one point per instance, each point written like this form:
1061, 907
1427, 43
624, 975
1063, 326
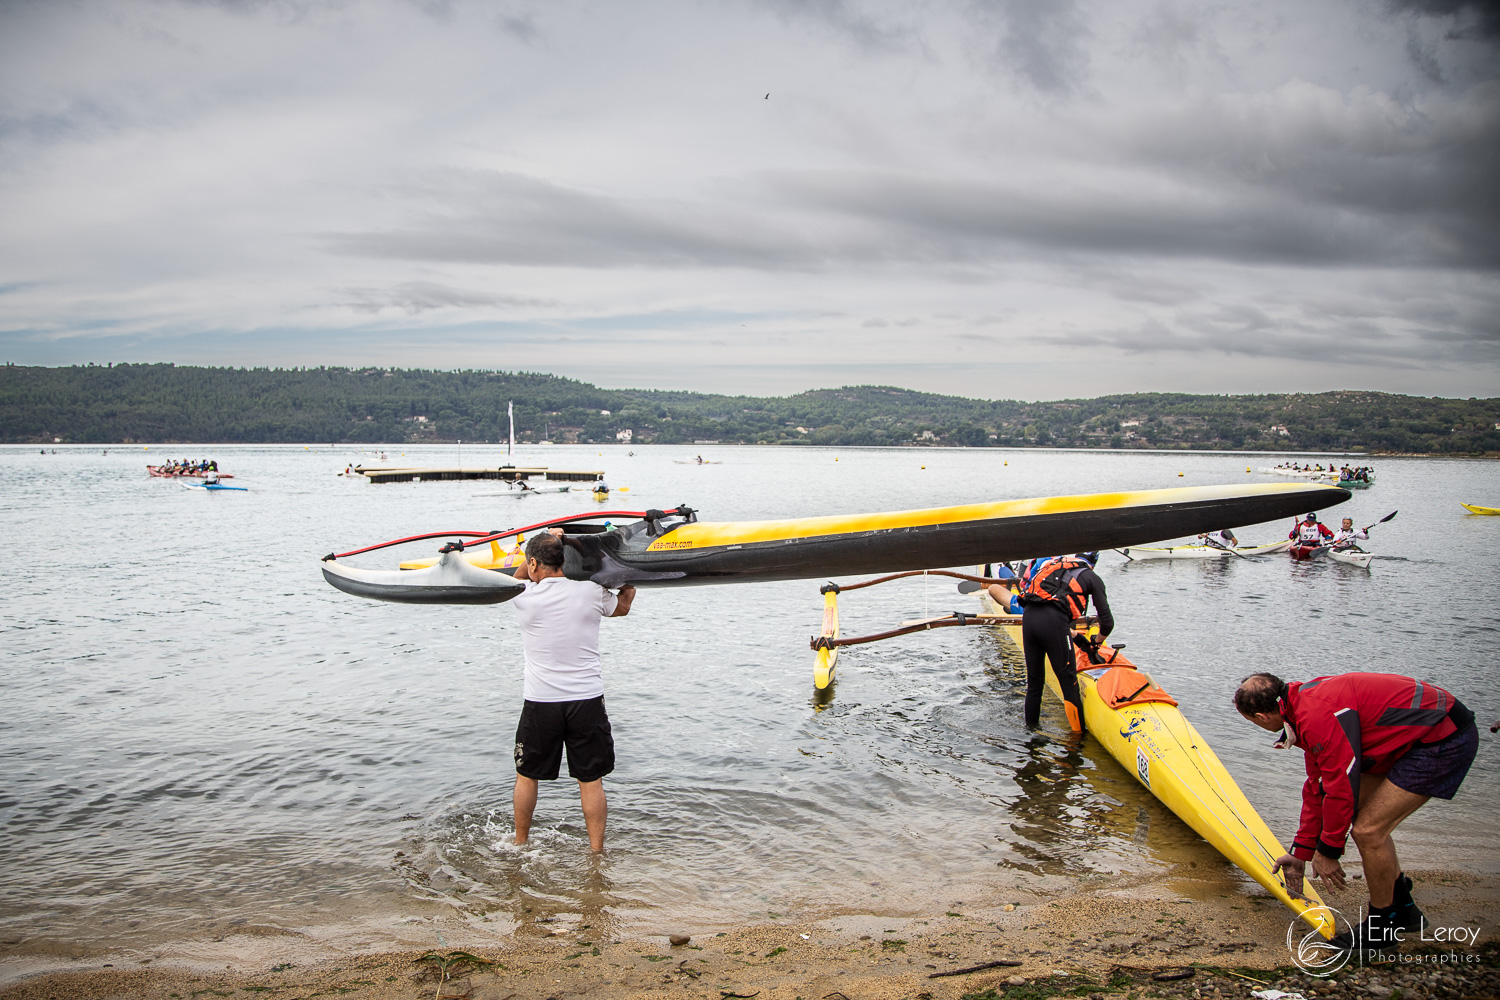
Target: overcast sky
996, 198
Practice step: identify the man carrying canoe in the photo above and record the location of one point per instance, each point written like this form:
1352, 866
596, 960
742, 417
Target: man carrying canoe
1059, 591
564, 684
1377, 747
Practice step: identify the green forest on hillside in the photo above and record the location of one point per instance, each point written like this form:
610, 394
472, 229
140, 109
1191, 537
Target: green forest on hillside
179, 404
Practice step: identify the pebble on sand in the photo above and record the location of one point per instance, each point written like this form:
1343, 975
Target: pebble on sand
678, 940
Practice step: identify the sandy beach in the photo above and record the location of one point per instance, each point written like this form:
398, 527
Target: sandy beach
1137, 942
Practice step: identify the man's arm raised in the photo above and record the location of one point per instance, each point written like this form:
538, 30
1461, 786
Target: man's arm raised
623, 599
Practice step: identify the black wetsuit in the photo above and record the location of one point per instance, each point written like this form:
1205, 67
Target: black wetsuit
1046, 633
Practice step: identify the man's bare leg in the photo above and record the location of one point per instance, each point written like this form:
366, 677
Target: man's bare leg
523, 801
595, 809
1382, 807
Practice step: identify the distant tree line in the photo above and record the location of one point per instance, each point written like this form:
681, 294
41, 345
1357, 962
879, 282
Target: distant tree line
106, 404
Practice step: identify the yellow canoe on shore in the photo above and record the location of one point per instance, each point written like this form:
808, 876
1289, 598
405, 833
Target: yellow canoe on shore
1474, 508
1142, 728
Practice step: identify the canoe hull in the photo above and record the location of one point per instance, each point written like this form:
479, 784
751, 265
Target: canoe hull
1474, 508
1162, 750
1351, 557
677, 551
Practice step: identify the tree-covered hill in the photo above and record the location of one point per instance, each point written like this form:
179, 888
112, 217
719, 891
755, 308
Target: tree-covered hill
170, 403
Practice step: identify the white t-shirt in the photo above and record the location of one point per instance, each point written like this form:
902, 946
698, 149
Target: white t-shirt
560, 638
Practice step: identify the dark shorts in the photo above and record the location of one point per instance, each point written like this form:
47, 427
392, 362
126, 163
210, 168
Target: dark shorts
548, 726
1437, 769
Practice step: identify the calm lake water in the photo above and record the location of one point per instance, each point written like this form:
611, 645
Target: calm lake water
198, 731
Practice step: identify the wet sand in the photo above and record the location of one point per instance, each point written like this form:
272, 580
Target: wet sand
1105, 940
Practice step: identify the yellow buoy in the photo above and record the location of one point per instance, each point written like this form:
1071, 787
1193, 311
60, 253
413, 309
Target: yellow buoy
1179, 475
924, 466
1007, 463
1247, 468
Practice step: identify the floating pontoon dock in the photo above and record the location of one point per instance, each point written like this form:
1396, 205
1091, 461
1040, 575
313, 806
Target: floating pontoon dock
509, 473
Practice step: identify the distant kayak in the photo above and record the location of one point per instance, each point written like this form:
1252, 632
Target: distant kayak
1354, 484
1139, 554
1352, 557
689, 461
215, 487
530, 492
1474, 508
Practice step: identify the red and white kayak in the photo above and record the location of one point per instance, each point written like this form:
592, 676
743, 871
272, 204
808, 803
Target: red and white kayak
1307, 553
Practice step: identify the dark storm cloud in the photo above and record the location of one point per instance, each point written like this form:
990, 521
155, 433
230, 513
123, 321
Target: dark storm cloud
1472, 18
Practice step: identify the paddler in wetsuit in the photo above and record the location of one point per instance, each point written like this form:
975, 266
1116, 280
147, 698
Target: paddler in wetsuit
1058, 592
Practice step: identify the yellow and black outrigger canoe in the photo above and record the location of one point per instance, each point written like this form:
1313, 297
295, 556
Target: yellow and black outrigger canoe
674, 548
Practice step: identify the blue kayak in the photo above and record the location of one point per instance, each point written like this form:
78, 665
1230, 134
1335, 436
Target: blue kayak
212, 486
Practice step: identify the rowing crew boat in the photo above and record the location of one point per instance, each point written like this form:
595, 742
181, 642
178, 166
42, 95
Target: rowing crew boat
1299, 473
1142, 727
162, 472
1140, 554
1474, 508
674, 548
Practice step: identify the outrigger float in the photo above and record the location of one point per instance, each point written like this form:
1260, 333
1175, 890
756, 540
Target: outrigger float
1131, 716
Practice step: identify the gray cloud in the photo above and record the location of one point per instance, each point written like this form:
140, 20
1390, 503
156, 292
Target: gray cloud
1041, 42
1471, 18
416, 297
1144, 182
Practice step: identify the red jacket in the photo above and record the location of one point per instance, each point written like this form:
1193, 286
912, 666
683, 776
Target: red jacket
1353, 724
1323, 531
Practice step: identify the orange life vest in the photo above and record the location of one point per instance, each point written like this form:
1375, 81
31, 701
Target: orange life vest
1055, 582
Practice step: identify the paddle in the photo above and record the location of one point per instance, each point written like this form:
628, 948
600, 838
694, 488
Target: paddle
1382, 520
970, 587
1222, 548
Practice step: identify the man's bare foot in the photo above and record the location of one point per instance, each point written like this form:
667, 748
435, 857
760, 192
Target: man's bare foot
519, 841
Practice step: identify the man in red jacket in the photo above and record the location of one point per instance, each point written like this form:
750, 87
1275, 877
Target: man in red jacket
1378, 746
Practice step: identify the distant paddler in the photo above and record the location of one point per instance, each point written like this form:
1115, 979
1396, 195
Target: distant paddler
1378, 746
1221, 539
1058, 592
1348, 534
1310, 532
601, 487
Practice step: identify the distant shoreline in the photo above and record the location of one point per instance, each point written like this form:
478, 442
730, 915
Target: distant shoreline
345, 447
125, 404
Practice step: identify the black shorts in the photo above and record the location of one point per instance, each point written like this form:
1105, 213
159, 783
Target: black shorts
547, 726
1437, 769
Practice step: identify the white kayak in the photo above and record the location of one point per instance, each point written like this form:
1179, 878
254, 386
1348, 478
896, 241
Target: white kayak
1139, 554
1352, 557
518, 492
